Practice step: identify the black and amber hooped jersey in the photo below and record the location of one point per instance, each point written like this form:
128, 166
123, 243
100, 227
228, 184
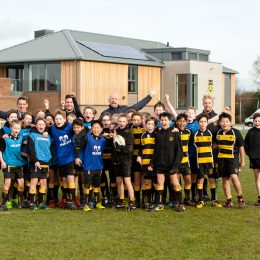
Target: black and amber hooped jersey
226, 143
137, 132
185, 138
108, 145
147, 148
203, 144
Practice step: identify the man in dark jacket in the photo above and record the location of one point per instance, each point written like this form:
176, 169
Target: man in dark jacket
115, 108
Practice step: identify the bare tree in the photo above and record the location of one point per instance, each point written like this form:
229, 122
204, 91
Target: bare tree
256, 72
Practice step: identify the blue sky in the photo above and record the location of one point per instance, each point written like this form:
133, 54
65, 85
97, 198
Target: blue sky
228, 28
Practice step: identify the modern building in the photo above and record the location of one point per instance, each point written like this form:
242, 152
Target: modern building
93, 66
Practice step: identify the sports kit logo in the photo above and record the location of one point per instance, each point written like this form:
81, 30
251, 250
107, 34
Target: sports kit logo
96, 150
64, 140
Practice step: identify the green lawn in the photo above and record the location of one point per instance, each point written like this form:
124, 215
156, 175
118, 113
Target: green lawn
208, 233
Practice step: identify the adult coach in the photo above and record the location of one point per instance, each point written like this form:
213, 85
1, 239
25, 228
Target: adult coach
22, 105
208, 104
116, 108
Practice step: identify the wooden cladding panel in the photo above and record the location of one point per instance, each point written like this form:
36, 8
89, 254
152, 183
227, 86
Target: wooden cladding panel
149, 78
68, 78
99, 80
2, 72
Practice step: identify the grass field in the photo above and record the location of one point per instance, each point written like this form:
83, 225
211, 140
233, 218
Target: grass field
214, 233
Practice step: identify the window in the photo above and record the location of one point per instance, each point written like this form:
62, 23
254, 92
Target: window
186, 90
176, 56
192, 56
132, 79
16, 74
227, 97
44, 77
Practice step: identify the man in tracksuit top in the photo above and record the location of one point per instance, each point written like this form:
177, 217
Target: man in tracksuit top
166, 161
62, 134
39, 154
12, 162
93, 146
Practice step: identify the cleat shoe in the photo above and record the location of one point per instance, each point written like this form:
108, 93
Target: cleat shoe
148, 206
43, 206
180, 208
62, 203
33, 207
76, 201
71, 205
189, 202
130, 207
25, 204
170, 204
241, 204
157, 207
206, 197
228, 204
99, 206
9, 204
200, 204
52, 204
91, 205
104, 201
20, 206
15, 202
86, 208
3, 207
216, 204
120, 205
257, 203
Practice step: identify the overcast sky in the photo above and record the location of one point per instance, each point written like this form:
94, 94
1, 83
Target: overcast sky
228, 28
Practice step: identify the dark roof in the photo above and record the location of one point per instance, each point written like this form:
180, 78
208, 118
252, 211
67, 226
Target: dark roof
228, 70
64, 45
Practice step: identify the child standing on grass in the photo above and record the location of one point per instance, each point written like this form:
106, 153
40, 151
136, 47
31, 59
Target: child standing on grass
62, 134
137, 131
252, 148
203, 142
230, 147
184, 169
145, 155
122, 161
93, 146
39, 154
12, 162
166, 161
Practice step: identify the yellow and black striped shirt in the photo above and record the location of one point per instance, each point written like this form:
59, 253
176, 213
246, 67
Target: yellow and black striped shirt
203, 144
108, 145
137, 132
229, 143
147, 148
185, 138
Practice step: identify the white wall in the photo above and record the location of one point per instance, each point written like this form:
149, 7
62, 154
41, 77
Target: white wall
206, 71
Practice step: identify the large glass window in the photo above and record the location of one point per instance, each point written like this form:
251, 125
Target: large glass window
44, 77
186, 90
16, 74
132, 79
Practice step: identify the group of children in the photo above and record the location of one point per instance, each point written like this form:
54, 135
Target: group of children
132, 160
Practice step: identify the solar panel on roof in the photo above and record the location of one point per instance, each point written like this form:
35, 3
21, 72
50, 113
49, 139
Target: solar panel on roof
116, 51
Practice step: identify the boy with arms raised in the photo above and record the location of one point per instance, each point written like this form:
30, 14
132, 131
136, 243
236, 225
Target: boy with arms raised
230, 147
